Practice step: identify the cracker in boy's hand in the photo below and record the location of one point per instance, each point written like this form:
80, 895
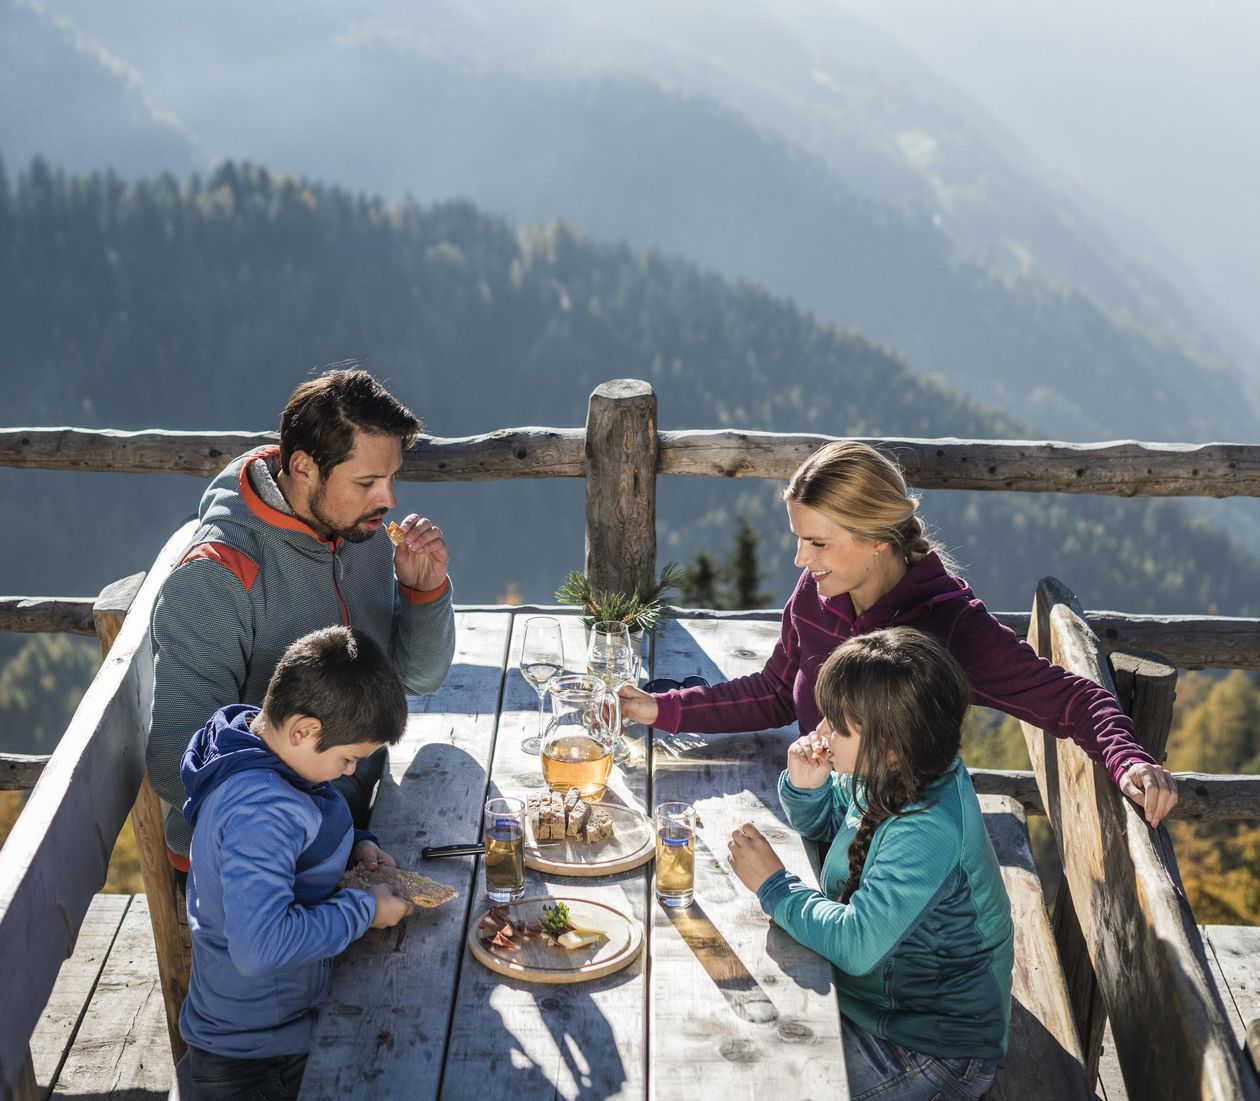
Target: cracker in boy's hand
395, 533
414, 887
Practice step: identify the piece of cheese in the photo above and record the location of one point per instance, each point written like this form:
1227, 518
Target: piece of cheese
573, 939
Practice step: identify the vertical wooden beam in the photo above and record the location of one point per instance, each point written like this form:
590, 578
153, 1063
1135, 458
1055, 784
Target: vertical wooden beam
165, 905
621, 457
1146, 686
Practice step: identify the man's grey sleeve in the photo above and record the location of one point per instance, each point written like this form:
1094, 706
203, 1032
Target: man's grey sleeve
423, 643
202, 641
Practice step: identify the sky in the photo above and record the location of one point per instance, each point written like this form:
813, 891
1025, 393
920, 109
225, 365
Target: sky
1149, 105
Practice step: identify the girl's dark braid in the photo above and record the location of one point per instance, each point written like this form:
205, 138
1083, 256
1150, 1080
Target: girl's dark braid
858, 849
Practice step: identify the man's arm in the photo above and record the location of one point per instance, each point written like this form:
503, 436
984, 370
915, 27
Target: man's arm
423, 640
202, 641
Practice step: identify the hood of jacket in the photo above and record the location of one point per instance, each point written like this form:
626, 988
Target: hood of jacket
223, 747
926, 585
231, 499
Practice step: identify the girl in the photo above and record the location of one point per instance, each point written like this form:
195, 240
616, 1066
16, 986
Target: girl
912, 911
867, 565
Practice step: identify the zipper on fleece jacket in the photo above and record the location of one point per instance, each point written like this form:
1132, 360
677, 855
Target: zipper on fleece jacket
345, 612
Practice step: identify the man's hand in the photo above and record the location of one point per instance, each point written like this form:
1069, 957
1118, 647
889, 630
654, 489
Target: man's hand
752, 857
421, 559
809, 760
638, 706
370, 853
390, 909
1153, 788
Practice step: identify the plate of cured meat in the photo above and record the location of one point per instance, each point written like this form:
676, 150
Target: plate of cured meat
555, 940
566, 835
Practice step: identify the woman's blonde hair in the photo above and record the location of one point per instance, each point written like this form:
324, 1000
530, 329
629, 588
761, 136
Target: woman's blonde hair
864, 492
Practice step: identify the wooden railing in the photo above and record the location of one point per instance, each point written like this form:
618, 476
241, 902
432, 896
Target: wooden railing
1125, 935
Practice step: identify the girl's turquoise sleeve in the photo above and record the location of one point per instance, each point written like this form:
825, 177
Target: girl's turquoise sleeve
815, 813
911, 864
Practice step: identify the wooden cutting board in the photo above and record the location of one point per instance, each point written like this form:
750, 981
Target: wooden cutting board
632, 844
537, 961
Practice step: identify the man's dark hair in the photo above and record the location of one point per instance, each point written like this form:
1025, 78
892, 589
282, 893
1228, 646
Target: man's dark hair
342, 678
324, 413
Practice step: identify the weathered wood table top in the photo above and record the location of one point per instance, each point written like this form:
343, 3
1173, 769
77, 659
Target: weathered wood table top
720, 1004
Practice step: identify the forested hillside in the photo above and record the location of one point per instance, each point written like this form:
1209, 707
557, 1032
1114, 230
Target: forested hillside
200, 304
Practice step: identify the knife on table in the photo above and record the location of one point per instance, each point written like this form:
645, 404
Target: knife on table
433, 851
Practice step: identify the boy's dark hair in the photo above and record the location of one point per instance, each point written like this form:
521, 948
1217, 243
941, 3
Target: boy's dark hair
342, 678
907, 697
324, 413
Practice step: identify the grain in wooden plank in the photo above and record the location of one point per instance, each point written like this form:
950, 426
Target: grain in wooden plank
1236, 951
541, 1041
121, 1051
69, 1000
1044, 1053
68, 614
1132, 912
55, 859
737, 1008
382, 1028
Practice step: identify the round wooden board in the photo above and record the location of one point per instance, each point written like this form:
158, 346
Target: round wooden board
537, 961
632, 845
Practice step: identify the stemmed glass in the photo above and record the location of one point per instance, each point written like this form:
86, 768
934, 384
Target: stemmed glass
542, 657
610, 657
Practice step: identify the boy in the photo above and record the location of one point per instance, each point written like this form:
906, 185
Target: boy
271, 839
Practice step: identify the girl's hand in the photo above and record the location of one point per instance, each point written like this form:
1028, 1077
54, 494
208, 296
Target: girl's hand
809, 761
1153, 788
390, 909
370, 853
752, 857
637, 706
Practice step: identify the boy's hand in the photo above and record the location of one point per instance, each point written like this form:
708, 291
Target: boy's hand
752, 857
370, 853
809, 760
390, 909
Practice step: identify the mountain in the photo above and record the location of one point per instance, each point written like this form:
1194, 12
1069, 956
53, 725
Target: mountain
66, 98
787, 143
201, 305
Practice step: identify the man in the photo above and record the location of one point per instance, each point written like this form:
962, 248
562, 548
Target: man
291, 541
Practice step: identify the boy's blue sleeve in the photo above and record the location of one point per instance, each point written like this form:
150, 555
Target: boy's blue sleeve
266, 930
815, 813
911, 863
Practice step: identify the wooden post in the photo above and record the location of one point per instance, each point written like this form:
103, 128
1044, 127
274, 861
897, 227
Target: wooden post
621, 454
1146, 686
165, 904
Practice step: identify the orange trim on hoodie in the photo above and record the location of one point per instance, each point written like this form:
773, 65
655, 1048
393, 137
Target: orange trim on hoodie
423, 596
264, 511
237, 563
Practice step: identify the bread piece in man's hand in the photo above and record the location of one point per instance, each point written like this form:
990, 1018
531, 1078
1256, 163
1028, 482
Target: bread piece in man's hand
414, 887
395, 533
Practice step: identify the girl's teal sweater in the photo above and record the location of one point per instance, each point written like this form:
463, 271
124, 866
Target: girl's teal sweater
923, 949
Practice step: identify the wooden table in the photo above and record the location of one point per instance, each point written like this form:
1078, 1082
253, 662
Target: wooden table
720, 1004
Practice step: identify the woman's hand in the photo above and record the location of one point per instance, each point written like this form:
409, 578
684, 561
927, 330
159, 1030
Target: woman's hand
1153, 788
390, 909
370, 853
638, 706
752, 857
809, 760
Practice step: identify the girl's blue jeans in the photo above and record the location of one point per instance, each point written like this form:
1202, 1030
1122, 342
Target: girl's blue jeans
880, 1069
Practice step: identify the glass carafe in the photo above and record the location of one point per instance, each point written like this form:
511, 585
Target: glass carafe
577, 745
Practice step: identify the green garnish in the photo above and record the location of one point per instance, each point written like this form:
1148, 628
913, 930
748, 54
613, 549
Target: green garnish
555, 919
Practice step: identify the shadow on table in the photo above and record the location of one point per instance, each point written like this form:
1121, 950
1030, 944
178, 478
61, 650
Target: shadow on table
738, 985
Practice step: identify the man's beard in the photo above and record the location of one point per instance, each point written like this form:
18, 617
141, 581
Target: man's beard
354, 533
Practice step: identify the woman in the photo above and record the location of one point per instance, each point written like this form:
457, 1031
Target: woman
867, 565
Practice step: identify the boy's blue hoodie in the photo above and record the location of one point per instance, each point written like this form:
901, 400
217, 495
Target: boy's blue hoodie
263, 906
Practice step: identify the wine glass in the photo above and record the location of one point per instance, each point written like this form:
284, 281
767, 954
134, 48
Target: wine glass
610, 657
542, 657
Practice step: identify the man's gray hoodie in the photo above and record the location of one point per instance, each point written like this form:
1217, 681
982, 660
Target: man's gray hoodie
254, 579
